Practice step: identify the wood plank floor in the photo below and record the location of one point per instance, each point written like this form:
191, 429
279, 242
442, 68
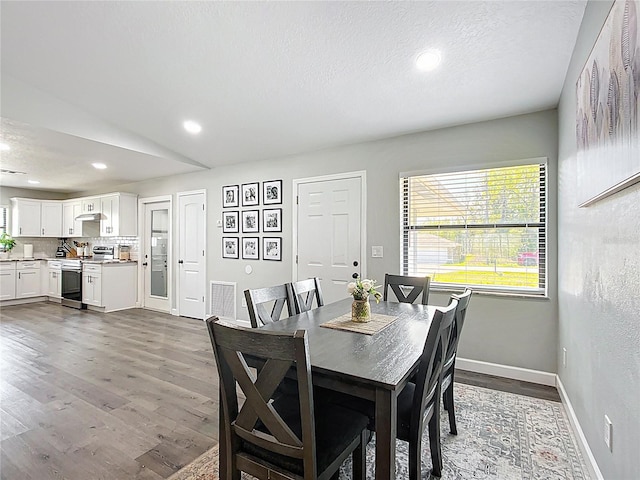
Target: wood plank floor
125, 395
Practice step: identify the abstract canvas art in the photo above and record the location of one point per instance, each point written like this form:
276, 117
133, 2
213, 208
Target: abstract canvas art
608, 110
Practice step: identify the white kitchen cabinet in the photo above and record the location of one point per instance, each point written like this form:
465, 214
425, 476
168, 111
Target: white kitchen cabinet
70, 226
51, 219
91, 205
110, 286
7, 280
92, 285
28, 279
54, 279
25, 217
119, 215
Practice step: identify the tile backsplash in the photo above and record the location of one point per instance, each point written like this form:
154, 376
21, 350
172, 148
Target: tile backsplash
46, 247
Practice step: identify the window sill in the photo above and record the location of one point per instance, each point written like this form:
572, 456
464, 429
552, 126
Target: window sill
489, 293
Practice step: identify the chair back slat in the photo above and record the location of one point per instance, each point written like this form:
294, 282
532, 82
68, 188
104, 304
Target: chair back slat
400, 283
305, 292
276, 298
280, 350
461, 313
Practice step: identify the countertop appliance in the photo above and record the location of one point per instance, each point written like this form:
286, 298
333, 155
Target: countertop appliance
72, 283
103, 252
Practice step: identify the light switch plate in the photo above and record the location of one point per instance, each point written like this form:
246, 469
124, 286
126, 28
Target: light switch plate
377, 252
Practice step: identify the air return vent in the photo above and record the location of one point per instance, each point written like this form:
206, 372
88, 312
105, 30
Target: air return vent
223, 299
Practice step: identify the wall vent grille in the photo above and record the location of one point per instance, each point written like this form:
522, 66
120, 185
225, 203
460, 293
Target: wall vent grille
223, 299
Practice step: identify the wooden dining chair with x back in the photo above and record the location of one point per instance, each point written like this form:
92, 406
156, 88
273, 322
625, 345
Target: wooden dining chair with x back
305, 292
449, 366
290, 437
407, 289
266, 305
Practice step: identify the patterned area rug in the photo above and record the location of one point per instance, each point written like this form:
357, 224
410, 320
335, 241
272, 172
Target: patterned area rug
501, 436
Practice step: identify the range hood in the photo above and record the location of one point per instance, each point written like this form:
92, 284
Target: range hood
89, 217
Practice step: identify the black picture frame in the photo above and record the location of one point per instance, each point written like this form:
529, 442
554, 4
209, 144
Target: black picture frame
230, 196
272, 192
230, 221
250, 221
230, 247
272, 248
250, 194
272, 220
250, 248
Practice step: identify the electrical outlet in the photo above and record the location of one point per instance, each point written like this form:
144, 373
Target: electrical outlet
564, 357
608, 432
243, 302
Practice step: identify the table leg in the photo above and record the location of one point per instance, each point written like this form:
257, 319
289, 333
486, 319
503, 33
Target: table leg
386, 427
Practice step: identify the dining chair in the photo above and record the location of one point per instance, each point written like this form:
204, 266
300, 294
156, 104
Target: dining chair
259, 298
400, 283
289, 437
449, 365
305, 292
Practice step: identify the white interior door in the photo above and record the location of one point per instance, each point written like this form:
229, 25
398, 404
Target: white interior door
156, 256
329, 233
191, 257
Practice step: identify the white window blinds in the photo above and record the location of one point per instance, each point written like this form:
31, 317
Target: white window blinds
480, 228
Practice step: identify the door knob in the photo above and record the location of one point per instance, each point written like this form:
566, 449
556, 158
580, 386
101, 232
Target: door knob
355, 275
144, 264
355, 263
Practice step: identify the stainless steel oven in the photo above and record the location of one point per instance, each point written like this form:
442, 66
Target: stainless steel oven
72, 284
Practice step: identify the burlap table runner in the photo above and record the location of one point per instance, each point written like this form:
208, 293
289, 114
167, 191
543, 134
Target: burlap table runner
378, 322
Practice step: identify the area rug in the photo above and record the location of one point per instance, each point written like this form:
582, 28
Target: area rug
501, 436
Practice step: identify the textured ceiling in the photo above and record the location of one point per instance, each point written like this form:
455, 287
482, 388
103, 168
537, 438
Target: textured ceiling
267, 79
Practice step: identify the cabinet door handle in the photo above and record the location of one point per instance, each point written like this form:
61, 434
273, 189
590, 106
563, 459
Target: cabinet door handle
43, 231
19, 277
20, 230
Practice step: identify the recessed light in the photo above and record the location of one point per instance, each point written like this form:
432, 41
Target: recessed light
99, 166
4, 147
33, 182
429, 60
192, 127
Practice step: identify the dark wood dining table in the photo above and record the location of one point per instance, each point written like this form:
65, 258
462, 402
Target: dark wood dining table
374, 367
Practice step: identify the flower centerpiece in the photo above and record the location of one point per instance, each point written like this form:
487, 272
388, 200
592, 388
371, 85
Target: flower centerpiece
360, 290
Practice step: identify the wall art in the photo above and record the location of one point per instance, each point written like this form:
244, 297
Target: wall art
250, 221
230, 247
230, 222
272, 220
230, 196
250, 194
272, 192
272, 248
250, 248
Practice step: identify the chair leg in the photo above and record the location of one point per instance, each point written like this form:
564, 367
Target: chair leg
336, 475
448, 394
415, 458
360, 457
434, 445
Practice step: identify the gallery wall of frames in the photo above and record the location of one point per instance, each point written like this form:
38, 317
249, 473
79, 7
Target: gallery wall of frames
249, 210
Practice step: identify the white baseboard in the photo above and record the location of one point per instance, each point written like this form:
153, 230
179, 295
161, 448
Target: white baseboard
174, 312
507, 371
579, 434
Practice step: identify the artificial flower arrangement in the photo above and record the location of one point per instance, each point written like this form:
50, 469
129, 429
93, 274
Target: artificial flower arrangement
362, 288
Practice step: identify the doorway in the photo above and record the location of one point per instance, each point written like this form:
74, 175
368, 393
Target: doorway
336, 206
192, 243
156, 255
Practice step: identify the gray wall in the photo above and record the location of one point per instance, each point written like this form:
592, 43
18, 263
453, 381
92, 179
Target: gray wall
599, 303
513, 331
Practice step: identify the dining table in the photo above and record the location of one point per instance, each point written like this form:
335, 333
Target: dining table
374, 367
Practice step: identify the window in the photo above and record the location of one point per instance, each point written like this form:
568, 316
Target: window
3, 220
482, 228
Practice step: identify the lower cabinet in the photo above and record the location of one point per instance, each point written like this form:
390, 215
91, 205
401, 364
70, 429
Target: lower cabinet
28, 282
53, 284
7, 280
110, 286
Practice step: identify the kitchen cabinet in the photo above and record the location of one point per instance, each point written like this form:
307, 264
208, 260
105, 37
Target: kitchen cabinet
7, 280
25, 218
70, 226
54, 279
91, 205
119, 215
109, 287
51, 219
28, 279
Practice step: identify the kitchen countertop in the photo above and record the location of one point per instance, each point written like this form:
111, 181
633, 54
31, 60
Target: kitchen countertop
60, 259
30, 259
104, 262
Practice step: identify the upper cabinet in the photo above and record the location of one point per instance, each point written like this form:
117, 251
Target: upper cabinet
50, 218
25, 217
119, 215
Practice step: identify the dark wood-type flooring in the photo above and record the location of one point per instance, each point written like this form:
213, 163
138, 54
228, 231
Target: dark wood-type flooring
125, 395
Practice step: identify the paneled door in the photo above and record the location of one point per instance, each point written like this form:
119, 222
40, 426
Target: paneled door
329, 232
192, 226
156, 253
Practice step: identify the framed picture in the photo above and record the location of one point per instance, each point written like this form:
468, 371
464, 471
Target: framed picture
272, 192
230, 222
272, 248
230, 247
250, 248
250, 223
230, 196
272, 220
250, 196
